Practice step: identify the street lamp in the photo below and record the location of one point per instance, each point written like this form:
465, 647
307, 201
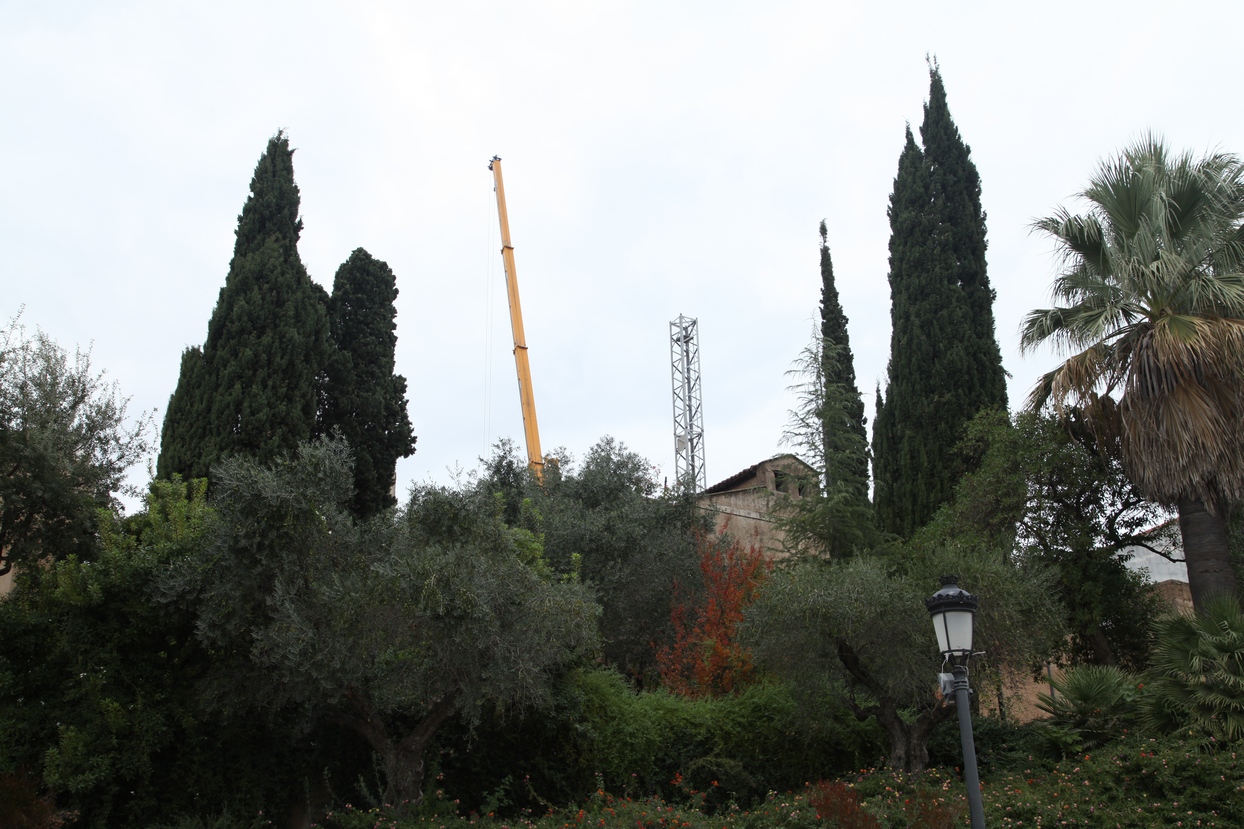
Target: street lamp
953, 610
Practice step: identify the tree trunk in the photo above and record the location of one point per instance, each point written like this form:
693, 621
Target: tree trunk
403, 760
909, 742
1100, 647
403, 771
1205, 551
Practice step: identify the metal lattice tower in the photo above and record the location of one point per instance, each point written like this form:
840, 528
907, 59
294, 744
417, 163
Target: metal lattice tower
688, 405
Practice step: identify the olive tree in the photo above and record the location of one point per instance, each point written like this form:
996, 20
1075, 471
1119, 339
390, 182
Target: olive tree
857, 629
607, 521
386, 627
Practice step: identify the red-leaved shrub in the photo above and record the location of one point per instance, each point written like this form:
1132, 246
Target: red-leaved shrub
705, 660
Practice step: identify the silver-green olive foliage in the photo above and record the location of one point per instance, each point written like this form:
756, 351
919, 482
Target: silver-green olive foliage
387, 627
858, 629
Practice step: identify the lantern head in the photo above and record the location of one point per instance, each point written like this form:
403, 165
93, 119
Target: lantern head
952, 609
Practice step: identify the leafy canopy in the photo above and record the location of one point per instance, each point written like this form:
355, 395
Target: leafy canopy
65, 446
858, 630
1048, 489
388, 626
606, 521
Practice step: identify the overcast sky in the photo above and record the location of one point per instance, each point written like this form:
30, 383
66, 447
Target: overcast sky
660, 158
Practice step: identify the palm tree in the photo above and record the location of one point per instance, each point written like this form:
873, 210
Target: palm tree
1153, 285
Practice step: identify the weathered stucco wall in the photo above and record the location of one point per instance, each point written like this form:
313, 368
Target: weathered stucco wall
748, 503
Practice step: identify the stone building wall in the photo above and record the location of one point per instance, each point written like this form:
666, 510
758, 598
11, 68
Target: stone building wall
748, 503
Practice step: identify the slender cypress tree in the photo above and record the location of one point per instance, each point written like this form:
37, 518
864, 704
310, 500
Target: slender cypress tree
945, 364
254, 387
365, 402
838, 369
827, 429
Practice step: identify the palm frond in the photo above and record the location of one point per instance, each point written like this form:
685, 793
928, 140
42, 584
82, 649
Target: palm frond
1182, 404
1081, 378
1151, 297
1215, 294
1080, 238
1093, 702
1197, 677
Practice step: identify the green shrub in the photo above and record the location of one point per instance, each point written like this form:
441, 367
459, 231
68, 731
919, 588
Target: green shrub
648, 743
1001, 745
1092, 705
1197, 672
99, 687
1134, 783
736, 748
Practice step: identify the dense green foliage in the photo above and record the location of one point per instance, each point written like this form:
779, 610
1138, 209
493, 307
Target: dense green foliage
64, 448
254, 386
364, 401
386, 627
1048, 488
1138, 783
98, 685
1090, 706
858, 630
602, 731
945, 364
605, 522
1197, 677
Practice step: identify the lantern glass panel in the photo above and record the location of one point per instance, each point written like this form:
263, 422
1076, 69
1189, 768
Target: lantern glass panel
954, 631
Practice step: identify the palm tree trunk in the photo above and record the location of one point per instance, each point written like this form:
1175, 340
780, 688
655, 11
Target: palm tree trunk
1205, 549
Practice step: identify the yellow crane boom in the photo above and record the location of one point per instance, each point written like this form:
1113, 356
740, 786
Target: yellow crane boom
526, 395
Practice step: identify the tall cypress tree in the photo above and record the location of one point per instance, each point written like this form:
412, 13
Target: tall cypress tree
826, 428
254, 387
838, 369
955, 185
365, 402
945, 364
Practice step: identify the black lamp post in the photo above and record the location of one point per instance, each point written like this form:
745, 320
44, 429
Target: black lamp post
953, 610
